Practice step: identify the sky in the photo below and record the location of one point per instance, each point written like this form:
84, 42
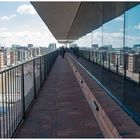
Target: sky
20, 24
114, 29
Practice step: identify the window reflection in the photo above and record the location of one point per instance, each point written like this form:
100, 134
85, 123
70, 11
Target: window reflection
113, 43
114, 54
132, 43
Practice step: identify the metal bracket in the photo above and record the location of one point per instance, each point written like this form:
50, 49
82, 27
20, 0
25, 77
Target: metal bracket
95, 105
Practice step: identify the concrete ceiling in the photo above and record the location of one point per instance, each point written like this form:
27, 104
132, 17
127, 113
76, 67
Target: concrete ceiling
70, 20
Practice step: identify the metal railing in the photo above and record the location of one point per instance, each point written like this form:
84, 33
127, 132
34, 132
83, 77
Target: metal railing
114, 62
114, 72
19, 86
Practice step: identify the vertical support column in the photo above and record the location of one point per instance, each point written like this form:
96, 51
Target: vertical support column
22, 91
34, 79
124, 63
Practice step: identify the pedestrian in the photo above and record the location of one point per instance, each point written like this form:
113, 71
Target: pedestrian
62, 50
77, 52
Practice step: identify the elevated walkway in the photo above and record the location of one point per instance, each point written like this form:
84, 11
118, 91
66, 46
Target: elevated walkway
60, 110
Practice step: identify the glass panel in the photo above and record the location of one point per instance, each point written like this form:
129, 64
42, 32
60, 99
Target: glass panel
132, 43
96, 54
37, 74
112, 56
28, 83
42, 68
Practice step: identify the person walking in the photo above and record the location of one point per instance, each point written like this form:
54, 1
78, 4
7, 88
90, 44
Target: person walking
77, 52
62, 50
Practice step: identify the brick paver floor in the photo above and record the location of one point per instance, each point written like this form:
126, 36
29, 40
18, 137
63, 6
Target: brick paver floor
61, 110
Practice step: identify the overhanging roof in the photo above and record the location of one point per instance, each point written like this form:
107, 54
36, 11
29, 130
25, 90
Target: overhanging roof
70, 20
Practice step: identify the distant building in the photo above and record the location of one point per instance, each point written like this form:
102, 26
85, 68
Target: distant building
134, 63
17, 54
73, 45
42, 50
10, 57
34, 51
52, 47
126, 49
37, 51
30, 45
21, 53
3, 57
95, 46
136, 46
105, 48
113, 58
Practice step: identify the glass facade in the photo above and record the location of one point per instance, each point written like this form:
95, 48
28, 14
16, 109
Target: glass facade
132, 40
112, 55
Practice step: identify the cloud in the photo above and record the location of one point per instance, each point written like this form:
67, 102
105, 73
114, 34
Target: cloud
12, 16
26, 37
119, 18
137, 26
26, 9
3, 29
6, 18
115, 39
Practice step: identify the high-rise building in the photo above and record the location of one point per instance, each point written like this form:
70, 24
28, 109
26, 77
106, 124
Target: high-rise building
10, 57
134, 63
21, 53
52, 47
3, 57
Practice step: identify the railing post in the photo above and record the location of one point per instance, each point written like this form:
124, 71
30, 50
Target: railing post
100, 59
22, 91
34, 79
117, 64
96, 57
45, 74
103, 56
40, 72
109, 60
124, 66
47, 64
89, 55
48, 60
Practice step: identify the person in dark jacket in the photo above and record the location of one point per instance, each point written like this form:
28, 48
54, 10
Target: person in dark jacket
62, 51
77, 52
